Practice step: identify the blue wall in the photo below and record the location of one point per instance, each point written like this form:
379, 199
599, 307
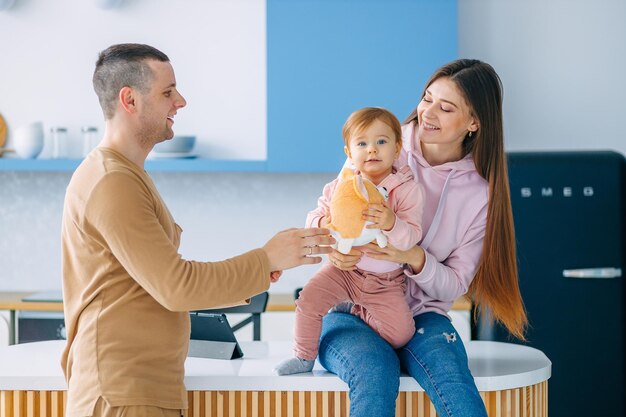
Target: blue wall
327, 58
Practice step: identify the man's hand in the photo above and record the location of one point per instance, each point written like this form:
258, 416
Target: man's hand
274, 275
381, 216
295, 247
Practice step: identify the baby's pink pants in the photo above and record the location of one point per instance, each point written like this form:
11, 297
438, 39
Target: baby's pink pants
378, 298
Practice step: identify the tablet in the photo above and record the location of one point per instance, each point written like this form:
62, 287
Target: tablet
212, 337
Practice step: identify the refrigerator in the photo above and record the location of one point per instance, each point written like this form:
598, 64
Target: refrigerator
570, 222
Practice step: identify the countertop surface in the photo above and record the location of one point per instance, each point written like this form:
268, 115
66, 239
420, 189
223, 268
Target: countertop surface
495, 366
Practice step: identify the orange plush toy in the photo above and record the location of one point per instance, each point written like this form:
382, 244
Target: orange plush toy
350, 198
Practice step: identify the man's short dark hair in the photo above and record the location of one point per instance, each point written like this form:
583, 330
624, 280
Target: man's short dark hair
123, 65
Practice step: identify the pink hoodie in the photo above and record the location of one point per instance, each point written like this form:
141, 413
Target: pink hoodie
453, 239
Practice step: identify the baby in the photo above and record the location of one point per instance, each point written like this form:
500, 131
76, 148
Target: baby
375, 289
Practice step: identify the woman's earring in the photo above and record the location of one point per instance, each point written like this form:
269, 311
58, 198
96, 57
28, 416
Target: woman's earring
470, 134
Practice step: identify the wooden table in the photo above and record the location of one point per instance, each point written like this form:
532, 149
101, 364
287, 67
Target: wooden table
12, 301
512, 381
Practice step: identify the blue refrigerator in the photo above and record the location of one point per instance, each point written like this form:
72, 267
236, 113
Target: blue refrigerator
569, 212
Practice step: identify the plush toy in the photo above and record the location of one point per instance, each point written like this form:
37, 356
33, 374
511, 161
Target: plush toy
351, 197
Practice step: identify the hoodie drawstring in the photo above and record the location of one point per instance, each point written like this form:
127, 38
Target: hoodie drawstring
432, 230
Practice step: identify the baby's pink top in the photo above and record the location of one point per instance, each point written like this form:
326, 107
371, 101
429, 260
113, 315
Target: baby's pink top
405, 199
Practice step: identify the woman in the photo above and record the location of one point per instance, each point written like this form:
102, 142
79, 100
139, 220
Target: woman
454, 144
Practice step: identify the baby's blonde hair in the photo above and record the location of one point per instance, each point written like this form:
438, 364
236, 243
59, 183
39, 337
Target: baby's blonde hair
363, 118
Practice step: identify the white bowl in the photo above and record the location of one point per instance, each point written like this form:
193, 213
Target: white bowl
178, 144
28, 140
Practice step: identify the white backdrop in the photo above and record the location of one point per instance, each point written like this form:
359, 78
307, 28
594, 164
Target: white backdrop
217, 48
562, 64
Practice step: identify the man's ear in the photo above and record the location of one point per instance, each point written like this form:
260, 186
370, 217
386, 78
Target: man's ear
126, 98
347, 151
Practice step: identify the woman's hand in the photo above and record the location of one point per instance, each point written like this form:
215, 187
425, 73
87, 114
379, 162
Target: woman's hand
345, 262
381, 216
414, 257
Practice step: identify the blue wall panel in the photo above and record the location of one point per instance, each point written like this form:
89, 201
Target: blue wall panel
327, 58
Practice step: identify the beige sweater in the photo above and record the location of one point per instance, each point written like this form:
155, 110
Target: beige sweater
127, 291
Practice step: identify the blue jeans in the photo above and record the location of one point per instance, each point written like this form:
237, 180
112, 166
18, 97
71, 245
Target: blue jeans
371, 367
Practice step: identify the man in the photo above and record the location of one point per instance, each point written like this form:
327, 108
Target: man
126, 290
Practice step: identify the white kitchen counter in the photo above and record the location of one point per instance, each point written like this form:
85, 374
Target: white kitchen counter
495, 366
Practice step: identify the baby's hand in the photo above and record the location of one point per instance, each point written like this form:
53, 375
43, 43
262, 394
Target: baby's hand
324, 221
381, 216
274, 275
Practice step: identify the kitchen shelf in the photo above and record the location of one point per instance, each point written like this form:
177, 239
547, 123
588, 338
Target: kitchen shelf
169, 165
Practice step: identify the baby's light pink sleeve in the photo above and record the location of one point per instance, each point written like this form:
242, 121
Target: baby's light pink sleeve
407, 201
323, 205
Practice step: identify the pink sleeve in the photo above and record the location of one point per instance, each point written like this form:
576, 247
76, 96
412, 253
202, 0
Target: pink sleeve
451, 278
323, 205
408, 203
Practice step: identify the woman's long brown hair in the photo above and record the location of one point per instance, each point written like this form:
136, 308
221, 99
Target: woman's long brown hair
495, 285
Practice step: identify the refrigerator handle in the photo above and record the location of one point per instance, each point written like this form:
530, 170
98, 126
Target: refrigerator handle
593, 273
